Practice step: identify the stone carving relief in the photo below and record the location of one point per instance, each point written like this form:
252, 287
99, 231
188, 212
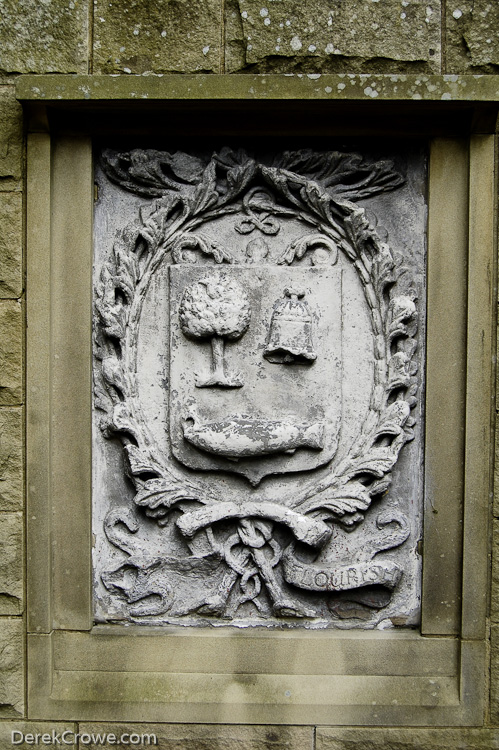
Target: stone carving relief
256, 376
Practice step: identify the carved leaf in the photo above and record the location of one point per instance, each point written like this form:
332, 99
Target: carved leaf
164, 492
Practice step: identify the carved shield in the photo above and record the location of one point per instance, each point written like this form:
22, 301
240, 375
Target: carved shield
266, 416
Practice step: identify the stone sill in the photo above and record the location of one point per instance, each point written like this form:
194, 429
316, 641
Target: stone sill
337, 87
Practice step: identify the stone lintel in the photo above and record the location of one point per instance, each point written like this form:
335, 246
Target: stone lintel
348, 87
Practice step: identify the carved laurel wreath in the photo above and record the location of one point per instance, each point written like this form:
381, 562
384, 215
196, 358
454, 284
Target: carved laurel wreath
318, 189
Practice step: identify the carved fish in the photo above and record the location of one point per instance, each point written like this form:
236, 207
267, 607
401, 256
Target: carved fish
244, 437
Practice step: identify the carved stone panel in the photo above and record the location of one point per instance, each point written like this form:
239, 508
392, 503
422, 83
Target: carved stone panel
258, 361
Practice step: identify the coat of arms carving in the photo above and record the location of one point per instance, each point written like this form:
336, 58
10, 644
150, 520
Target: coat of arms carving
257, 387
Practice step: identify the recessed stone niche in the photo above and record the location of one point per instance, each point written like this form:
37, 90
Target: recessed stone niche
258, 379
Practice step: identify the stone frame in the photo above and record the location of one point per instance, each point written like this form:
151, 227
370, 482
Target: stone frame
76, 671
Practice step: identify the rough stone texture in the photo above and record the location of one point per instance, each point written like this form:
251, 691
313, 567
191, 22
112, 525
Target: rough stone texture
165, 36
12, 730
11, 459
210, 737
44, 37
333, 37
494, 604
472, 36
406, 739
11, 570
494, 675
11, 137
11, 245
10, 353
11, 668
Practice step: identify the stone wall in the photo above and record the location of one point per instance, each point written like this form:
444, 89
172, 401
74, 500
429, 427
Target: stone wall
207, 36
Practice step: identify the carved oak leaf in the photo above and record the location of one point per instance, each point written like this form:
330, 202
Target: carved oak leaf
158, 496
342, 175
152, 173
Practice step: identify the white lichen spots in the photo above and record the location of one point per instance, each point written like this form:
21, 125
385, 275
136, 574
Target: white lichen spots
375, 26
249, 47
244, 14
429, 10
264, 12
122, 49
457, 13
453, 78
446, 96
126, 70
35, 90
329, 49
312, 48
329, 21
288, 23
102, 20
136, 32
369, 91
314, 76
417, 96
296, 43
278, 40
341, 86
281, 25
488, 41
266, 21
163, 33
328, 89
277, 48
405, 3
206, 49
403, 16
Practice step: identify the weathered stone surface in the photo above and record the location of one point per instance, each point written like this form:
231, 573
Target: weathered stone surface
494, 604
15, 731
11, 136
406, 739
11, 245
270, 351
494, 675
472, 36
330, 37
11, 570
44, 37
11, 668
165, 36
11, 459
209, 737
10, 353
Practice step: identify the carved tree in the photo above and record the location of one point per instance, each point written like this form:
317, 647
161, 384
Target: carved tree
216, 309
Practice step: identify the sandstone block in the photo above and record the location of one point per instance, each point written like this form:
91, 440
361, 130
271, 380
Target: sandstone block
11, 136
160, 37
11, 668
44, 37
10, 353
332, 37
11, 570
11, 245
494, 675
472, 39
11, 459
494, 604
210, 737
406, 739
11, 731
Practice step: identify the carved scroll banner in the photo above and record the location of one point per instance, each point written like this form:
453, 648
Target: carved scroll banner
257, 385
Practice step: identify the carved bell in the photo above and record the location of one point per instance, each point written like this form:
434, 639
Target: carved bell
290, 335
